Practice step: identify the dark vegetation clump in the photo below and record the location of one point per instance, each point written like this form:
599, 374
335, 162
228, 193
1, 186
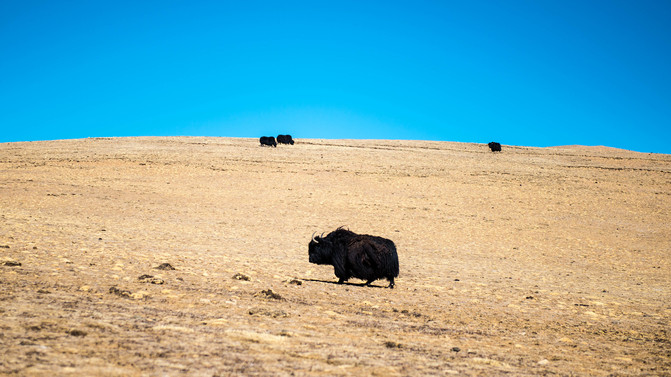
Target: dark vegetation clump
120, 292
390, 344
269, 294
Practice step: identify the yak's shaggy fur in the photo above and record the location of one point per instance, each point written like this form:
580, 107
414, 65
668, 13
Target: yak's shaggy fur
285, 139
268, 140
494, 146
356, 255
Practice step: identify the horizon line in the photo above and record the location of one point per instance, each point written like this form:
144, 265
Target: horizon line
328, 138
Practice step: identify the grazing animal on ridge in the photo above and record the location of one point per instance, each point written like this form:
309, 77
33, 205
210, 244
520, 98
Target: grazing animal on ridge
361, 256
494, 146
268, 140
285, 139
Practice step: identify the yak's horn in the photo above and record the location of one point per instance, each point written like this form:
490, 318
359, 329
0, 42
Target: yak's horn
313, 237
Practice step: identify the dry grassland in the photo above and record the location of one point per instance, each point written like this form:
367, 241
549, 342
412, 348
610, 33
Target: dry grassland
533, 261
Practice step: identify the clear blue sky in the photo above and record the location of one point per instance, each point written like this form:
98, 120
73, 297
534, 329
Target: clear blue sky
535, 73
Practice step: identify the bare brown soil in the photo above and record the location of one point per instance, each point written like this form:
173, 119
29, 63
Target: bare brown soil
532, 261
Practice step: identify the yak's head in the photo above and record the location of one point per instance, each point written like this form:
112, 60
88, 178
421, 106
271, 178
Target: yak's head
320, 250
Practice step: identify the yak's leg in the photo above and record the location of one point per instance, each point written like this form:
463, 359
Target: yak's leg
391, 283
369, 282
341, 280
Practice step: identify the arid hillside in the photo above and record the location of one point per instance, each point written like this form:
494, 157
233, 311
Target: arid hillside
189, 256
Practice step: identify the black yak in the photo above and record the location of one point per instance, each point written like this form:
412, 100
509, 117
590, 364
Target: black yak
494, 146
356, 255
268, 140
285, 139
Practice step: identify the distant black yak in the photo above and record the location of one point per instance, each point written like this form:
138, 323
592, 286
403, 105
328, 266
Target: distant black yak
356, 255
285, 139
494, 146
268, 140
